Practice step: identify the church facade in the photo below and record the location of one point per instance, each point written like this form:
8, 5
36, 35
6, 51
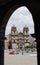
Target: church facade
19, 39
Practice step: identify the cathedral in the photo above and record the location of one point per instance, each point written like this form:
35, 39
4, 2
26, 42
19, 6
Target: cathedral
20, 39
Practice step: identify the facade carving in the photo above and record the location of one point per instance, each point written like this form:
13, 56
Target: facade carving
19, 39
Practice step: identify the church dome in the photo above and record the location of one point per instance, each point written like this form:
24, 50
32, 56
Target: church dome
13, 26
26, 28
20, 33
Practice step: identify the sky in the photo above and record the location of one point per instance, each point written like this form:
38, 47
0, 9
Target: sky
21, 17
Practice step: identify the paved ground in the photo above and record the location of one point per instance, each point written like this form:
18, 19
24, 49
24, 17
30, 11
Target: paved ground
26, 59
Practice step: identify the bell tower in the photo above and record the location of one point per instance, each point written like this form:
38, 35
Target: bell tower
14, 36
13, 30
25, 30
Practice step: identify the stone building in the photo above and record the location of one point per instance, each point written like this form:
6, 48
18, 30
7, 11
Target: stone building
19, 39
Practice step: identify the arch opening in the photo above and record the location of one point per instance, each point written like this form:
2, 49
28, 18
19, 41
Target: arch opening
24, 17
19, 28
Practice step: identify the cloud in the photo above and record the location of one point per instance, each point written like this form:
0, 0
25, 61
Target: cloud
20, 18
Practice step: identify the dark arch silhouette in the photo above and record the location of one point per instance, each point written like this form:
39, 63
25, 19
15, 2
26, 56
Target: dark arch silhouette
12, 11
7, 9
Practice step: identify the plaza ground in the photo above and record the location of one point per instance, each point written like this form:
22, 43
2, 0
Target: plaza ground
26, 59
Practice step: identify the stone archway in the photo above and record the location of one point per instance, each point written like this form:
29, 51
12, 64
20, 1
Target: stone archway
5, 14
9, 13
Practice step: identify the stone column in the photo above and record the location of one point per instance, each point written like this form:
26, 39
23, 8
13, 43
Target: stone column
1, 46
